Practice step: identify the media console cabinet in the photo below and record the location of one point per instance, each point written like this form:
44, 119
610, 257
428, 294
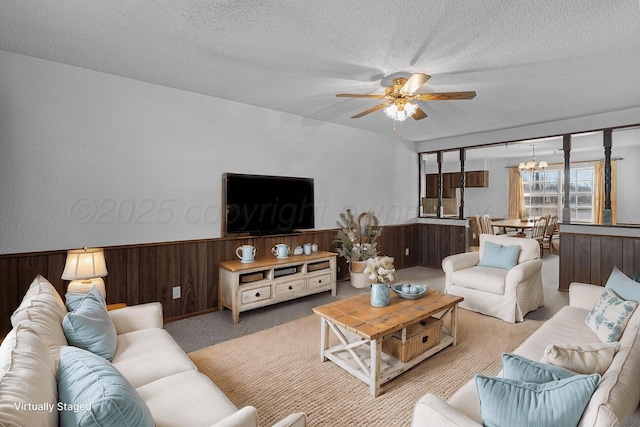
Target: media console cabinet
270, 280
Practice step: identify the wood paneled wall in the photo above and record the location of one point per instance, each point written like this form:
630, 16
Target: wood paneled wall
591, 258
145, 273
439, 241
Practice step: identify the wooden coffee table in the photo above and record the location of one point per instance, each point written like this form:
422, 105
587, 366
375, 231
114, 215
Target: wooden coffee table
360, 328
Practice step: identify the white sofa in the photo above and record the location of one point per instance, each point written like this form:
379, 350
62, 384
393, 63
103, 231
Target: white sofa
176, 393
615, 398
506, 294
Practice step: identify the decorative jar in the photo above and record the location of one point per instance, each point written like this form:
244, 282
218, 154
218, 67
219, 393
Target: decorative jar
380, 294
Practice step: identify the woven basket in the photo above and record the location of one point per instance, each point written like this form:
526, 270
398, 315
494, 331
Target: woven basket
356, 273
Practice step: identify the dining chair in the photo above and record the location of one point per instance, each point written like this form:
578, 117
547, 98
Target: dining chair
538, 230
486, 227
550, 230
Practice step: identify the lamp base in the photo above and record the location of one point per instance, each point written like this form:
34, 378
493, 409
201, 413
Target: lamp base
84, 286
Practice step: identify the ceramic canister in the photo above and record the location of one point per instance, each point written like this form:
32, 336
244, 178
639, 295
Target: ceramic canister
380, 294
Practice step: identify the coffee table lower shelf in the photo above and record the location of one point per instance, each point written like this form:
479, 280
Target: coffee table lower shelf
390, 367
359, 355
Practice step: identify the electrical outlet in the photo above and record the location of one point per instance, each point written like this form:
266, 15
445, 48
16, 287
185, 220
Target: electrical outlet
176, 292
406, 251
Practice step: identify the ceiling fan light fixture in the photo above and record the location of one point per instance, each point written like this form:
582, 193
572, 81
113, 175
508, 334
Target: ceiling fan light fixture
400, 113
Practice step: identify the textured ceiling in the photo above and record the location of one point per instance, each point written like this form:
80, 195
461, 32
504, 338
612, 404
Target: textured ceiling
529, 62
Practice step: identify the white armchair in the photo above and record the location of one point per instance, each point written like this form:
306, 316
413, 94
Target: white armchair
505, 294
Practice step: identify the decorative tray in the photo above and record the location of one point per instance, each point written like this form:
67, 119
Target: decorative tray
409, 290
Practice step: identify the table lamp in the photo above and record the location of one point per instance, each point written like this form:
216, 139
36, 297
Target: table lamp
85, 268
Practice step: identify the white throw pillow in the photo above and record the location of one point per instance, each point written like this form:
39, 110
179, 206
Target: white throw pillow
581, 358
43, 294
28, 390
610, 316
42, 309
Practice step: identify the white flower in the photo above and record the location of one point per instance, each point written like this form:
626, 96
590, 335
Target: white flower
380, 270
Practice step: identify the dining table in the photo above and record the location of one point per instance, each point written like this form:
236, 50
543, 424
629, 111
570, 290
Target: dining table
517, 224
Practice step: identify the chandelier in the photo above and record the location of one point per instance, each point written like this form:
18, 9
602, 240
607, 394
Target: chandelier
531, 165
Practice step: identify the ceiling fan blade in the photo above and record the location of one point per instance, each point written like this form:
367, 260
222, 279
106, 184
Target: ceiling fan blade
445, 96
414, 83
356, 95
419, 114
370, 110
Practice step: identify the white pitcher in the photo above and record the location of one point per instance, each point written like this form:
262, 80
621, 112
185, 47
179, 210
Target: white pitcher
280, 250
246, 253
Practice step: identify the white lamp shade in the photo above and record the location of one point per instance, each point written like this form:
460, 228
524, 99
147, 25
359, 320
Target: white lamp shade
84, 264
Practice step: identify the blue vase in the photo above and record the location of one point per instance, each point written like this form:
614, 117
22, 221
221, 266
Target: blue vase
379, 294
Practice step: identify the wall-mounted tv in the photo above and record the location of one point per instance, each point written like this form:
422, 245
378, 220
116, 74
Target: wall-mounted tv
261, 204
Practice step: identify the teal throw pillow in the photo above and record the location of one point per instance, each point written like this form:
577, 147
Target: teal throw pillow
625, 287
507, 402
498, 256
609, 316
73, 299
516, 367
90, 327
92, 392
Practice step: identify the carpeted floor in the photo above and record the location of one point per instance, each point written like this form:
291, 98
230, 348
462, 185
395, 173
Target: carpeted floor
279, 371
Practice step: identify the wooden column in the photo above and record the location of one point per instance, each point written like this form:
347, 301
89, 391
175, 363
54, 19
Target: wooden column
606, 142
439, 160
566, 210
463, 156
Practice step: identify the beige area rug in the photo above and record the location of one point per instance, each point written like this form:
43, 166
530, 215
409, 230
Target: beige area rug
278, 371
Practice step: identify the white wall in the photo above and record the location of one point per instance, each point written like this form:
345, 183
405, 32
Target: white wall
90, 159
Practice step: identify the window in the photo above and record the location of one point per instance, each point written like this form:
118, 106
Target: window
543, 193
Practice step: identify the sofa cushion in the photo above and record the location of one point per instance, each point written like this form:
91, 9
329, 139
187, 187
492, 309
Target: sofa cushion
89, 326
498, 256
618, 393
136, 348
28, 394
93, 392
488, 279
625, 287
507, 402
522, 369
168, 397
610, 315
582, 358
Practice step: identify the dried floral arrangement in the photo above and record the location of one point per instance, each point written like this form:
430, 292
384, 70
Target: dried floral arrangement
357, 236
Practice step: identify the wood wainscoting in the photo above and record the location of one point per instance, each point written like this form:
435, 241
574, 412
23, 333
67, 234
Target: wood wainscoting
148, 272
590, 258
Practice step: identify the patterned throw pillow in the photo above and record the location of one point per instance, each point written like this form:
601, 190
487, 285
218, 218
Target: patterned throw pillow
610, 316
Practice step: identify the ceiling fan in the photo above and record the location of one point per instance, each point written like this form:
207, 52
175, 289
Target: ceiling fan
400, 97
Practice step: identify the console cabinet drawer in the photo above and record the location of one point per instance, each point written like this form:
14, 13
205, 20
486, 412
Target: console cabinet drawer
289, 287
256, 294
319, 281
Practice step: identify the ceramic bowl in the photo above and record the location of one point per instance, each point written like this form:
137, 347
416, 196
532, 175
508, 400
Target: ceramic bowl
421, 290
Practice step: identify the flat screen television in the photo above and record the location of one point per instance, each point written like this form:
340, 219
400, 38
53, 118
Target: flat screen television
262, 205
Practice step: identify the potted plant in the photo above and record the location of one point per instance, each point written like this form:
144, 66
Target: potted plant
357, 243
381, 272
